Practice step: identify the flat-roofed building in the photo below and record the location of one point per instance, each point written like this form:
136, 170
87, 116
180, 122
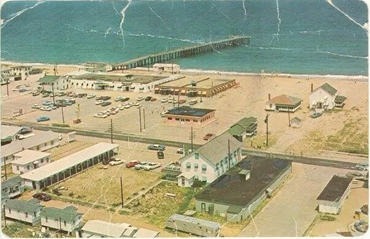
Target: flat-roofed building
66, 219
194, 226
246, 127
69, 166
238, 192
196, 86
118, 82
145, 233
40, 142
28, 160
53, 83
23, 210
97, 228
166, 67
8, 131
189, 116
210, 161
334, 194
284, 103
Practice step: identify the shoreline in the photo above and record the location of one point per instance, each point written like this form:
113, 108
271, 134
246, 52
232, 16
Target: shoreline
231, 73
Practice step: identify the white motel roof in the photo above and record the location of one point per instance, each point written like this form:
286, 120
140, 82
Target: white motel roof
68, 162
28, 156
105, 228
20, 145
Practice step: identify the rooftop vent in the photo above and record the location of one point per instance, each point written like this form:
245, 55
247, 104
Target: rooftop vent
245, 174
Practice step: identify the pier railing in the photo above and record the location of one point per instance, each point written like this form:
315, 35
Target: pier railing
182, 53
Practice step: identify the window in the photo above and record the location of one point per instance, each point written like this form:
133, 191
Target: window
34, 214
42, 160
195, 165
188, 165
194, 120
46, 219
196, 155
169, 118
177, 119
187, 120
204, 167
47, 160
17, 167
26, 214
65, 223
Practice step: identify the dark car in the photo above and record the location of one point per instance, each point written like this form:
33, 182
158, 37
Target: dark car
316, 115
148, 98
160, 155
208, 136
105, 103
105, 97
42, 197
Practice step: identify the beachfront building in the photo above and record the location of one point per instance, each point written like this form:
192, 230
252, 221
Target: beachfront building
23, 210
28, 160
238, 192
12, 187
53, 83
195, 86
66, 219
40, 142
334, 194
283, 103
210, 161
71, 165
168, 68
325, 97
194, 226
189, 116
246, 127
97, 67
118, 82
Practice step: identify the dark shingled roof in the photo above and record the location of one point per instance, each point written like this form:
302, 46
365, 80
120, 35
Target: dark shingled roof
340, 99
232, 189
48, 79
66, 214
29, 206
187, 111
335, 188
11, 182
328, 88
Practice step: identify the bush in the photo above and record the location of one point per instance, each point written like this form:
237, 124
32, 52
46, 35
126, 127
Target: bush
59, 125
70, 194
197, 183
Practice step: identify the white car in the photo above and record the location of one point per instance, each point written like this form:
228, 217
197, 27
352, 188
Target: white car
163, 100
135, 104
99, 102
121, 107
90, 96
100, 115
127, 106
140, 98
116, 161
140, 165
151, 166
169, 101
36, 106
45, 108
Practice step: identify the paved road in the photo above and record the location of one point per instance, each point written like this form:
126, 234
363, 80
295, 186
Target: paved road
129, 137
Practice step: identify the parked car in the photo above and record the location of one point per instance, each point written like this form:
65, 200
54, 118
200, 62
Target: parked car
148, 98
45, 108
180, 151
156, 147
160, 155
99, 102
151, 166
127, 106
140, 165
163, 100
132, 163
193, 102
90, 96
116, 161
76, 121
135, 104
362, 166
35, 93
106, 103
125, 99
140, 98
182, 101
106, 97
153, 99
208, 136
44, 95
42, 197
118, 98
100, 115
36, 106
316, 115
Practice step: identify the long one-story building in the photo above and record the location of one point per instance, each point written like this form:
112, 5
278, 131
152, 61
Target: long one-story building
189, 116
334, 194
284, 103
238, 192
66, 219
40, 142
28, 160
69, 166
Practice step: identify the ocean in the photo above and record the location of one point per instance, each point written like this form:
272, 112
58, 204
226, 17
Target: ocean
287, 36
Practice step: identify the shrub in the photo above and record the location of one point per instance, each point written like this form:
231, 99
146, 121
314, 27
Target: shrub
70, 194
60, 125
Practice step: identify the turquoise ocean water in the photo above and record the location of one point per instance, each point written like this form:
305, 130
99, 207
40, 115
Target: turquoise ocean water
289, 36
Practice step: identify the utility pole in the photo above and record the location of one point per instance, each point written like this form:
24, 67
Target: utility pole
62, 112
121, 193
4, 216
6, 175
267, 129
201, 93
191, 139
52, 86
140, 118
144, 117
178, 99
111, 131
228, 151
289, 116
7, 86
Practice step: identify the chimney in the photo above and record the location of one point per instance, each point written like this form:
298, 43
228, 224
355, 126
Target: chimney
269, 96
245, 174
311, 87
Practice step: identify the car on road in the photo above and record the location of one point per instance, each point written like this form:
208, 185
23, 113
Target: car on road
116, 161
151, 166
193, 102
43, 118
140, 165
42, 197
100, 115
140, 98
163, 100
208, 136
106, 103
182, 101
90, 96
132, 163
180, 151
316, 115
45, 108
36, 106
156, 147
362, 166
148, 98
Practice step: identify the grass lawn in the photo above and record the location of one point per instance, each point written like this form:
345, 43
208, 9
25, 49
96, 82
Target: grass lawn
18, 229
103, 185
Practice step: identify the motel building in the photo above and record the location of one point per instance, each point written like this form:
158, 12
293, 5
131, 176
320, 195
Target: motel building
69, 166
189, 116
28, 160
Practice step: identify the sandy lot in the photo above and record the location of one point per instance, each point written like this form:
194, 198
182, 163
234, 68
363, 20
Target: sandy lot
325, 133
